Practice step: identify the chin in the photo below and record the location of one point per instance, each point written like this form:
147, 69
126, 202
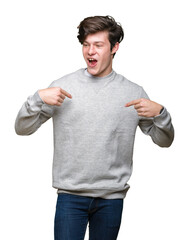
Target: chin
93, 72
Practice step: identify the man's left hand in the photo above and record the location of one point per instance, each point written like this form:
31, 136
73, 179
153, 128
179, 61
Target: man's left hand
145, 107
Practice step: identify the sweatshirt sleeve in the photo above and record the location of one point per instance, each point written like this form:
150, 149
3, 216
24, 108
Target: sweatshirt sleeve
32, 115
159, 128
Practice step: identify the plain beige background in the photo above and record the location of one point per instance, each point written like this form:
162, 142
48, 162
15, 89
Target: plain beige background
38, 45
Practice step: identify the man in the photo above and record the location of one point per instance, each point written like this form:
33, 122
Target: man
95, 114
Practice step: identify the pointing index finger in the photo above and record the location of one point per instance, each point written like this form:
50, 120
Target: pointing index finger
134, 102
66, 93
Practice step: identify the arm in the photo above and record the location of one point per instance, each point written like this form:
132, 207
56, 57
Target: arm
38, 109
154, 120
159, 128
32, 115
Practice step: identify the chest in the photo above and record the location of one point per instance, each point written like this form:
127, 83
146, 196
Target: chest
103, 110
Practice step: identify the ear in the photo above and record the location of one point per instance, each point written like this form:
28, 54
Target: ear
115, 48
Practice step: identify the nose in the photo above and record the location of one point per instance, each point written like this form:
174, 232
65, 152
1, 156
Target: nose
91, 50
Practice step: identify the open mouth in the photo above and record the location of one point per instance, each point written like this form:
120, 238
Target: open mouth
92, 62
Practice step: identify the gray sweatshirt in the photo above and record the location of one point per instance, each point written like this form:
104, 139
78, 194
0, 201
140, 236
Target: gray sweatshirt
94, 132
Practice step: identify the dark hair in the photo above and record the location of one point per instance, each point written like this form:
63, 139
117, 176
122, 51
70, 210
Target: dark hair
101, 23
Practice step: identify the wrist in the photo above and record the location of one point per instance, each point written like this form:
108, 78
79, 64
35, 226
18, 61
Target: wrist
40, 93
161, 110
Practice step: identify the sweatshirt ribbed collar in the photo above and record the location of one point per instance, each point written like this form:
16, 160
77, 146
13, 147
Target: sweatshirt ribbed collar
88, 78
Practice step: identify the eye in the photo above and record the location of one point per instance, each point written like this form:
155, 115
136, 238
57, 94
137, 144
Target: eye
99, 45
85, 44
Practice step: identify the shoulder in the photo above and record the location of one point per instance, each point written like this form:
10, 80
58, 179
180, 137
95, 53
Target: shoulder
66, 79
131, 88
127, 83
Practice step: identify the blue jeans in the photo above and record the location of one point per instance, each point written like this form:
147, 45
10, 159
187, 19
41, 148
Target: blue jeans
74, 212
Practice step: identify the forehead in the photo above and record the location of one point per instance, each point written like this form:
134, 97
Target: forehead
97, 37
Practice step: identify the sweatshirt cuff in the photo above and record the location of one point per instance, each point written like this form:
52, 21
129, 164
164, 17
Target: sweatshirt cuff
37, 99
35, 102
162, 119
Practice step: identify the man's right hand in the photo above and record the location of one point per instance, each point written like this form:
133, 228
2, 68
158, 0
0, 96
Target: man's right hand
53, 96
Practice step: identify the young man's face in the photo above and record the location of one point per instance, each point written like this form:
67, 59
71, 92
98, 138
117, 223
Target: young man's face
98, 54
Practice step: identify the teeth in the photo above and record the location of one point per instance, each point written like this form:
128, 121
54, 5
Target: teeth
91, 59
